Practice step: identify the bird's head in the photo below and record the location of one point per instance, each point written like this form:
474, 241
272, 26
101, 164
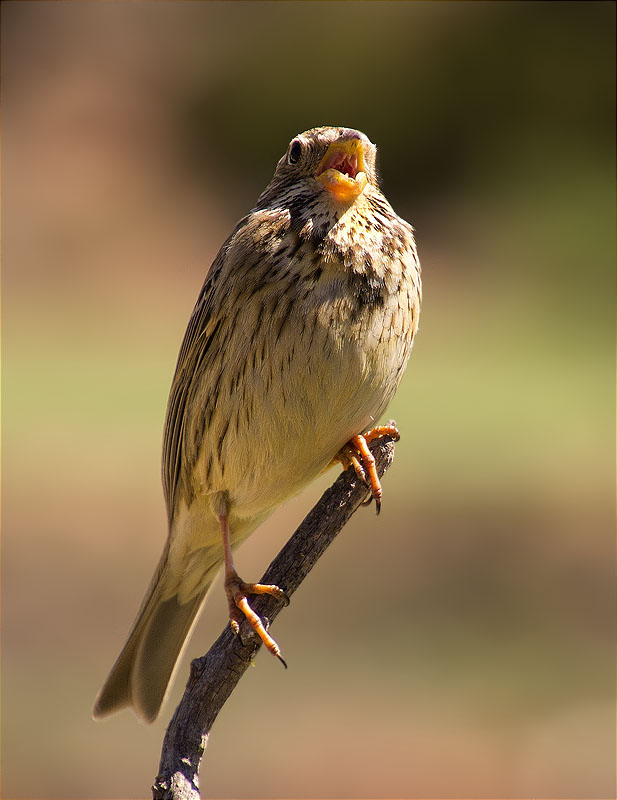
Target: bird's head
337, 161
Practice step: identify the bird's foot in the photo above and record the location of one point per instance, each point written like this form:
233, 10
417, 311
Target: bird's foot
356, 454
237, 592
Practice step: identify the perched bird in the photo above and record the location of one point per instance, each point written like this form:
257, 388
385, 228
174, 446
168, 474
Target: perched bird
296, 345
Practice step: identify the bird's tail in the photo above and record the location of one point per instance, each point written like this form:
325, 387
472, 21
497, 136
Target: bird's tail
145, 667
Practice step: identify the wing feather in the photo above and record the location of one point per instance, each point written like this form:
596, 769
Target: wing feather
200, 338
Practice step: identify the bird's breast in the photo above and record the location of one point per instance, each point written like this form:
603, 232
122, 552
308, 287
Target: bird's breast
320, 368
314, 357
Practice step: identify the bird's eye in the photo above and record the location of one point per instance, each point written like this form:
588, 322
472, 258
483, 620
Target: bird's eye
295, 151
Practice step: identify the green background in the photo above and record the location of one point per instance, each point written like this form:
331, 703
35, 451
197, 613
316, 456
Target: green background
460, 645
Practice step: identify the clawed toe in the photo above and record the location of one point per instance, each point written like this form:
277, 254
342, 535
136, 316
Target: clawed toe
239, 609
357, 454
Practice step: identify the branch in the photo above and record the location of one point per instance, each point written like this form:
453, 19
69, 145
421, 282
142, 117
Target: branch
214, 676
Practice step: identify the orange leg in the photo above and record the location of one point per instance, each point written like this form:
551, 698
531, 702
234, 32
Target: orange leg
357, 454
237, 592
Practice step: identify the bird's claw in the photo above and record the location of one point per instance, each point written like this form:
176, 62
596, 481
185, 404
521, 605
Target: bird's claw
356, 454
237, 592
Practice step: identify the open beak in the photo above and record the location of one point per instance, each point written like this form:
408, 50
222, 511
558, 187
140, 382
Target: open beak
341, 170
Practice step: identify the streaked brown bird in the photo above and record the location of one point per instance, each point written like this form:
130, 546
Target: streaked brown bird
296, 345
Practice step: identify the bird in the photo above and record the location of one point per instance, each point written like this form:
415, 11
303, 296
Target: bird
296, 345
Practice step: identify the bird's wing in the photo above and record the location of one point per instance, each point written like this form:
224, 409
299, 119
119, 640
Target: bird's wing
199, 340
241, 261
203, 347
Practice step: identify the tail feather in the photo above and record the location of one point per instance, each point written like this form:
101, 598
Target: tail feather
144, 669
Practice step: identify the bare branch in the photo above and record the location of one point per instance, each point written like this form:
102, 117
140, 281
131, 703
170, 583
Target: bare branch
214, 676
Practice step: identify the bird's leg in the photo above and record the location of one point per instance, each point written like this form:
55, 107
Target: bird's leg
356, 453
237, 592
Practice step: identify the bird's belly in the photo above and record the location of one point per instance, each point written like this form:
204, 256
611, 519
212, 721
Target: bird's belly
304, 407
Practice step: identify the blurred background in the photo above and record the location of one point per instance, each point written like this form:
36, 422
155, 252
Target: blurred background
135, 135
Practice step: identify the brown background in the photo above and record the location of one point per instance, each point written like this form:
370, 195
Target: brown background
482, 660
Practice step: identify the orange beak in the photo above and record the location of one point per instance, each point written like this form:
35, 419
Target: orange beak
341, 170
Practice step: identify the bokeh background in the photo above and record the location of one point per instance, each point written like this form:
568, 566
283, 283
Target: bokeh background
481, 660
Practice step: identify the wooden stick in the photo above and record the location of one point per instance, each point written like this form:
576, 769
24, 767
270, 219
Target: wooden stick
214, 676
